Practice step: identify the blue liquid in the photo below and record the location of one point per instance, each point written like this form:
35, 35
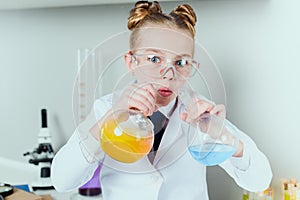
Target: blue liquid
211, 154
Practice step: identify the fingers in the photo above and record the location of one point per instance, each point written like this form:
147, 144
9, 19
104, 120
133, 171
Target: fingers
219, 110
141, 102
200, 110
196, 109
183, 116
150, 89
141, 97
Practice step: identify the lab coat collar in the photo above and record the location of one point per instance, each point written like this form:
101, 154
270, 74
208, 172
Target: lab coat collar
165, 110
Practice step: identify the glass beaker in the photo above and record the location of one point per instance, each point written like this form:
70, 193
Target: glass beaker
127, 135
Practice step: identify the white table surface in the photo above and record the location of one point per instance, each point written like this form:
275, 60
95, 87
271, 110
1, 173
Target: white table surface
73, 195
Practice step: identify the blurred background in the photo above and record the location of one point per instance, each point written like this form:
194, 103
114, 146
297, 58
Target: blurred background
254, 43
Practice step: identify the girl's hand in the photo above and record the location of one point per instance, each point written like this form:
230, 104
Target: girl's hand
199, 109
208, 116
140, 97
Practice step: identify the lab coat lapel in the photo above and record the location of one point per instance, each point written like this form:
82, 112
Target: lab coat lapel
172, 133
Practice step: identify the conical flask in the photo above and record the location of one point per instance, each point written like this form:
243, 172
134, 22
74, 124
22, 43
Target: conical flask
209, 142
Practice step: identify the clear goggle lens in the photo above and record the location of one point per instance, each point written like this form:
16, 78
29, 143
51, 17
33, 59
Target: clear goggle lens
157, 66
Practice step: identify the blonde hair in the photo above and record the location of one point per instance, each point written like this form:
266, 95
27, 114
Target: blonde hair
145, 12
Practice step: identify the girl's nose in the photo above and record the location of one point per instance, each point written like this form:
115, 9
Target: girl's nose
168, 72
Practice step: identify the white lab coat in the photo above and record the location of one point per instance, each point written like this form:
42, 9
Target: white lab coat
173, 175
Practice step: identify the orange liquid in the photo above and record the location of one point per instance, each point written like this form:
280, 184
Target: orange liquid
124, 146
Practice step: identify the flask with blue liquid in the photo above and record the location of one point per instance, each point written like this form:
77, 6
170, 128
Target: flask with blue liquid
209, 142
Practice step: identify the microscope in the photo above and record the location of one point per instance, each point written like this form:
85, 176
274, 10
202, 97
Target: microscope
42, 156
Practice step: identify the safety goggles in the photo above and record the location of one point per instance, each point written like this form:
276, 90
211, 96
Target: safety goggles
159, 65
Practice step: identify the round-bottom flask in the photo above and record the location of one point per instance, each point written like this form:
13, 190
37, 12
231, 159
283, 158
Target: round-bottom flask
126, 136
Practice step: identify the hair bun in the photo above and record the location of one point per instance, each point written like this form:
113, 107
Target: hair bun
187, 14
140, 11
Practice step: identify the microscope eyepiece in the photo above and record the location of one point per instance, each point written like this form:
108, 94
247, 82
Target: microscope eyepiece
44, 118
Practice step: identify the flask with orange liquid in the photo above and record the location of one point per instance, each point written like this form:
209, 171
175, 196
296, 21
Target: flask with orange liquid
127, 136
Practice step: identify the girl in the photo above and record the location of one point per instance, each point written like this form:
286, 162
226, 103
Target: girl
161, 60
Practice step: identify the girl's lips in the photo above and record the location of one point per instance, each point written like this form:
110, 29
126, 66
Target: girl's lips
165, 92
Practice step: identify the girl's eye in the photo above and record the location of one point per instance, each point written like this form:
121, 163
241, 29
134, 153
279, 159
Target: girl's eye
153, 59
181, 63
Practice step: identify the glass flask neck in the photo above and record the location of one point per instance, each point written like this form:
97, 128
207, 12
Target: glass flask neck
141, 120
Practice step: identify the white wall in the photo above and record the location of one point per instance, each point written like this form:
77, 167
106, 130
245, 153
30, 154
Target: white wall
254, 43
256, 46
38, 67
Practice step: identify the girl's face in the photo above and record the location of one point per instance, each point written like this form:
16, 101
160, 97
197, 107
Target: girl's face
162, 56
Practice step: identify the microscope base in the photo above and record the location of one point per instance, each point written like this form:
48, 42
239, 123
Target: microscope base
34, 188
42, 184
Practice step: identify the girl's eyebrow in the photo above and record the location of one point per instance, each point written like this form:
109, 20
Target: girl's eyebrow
185, 55
154, 51
162, 52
